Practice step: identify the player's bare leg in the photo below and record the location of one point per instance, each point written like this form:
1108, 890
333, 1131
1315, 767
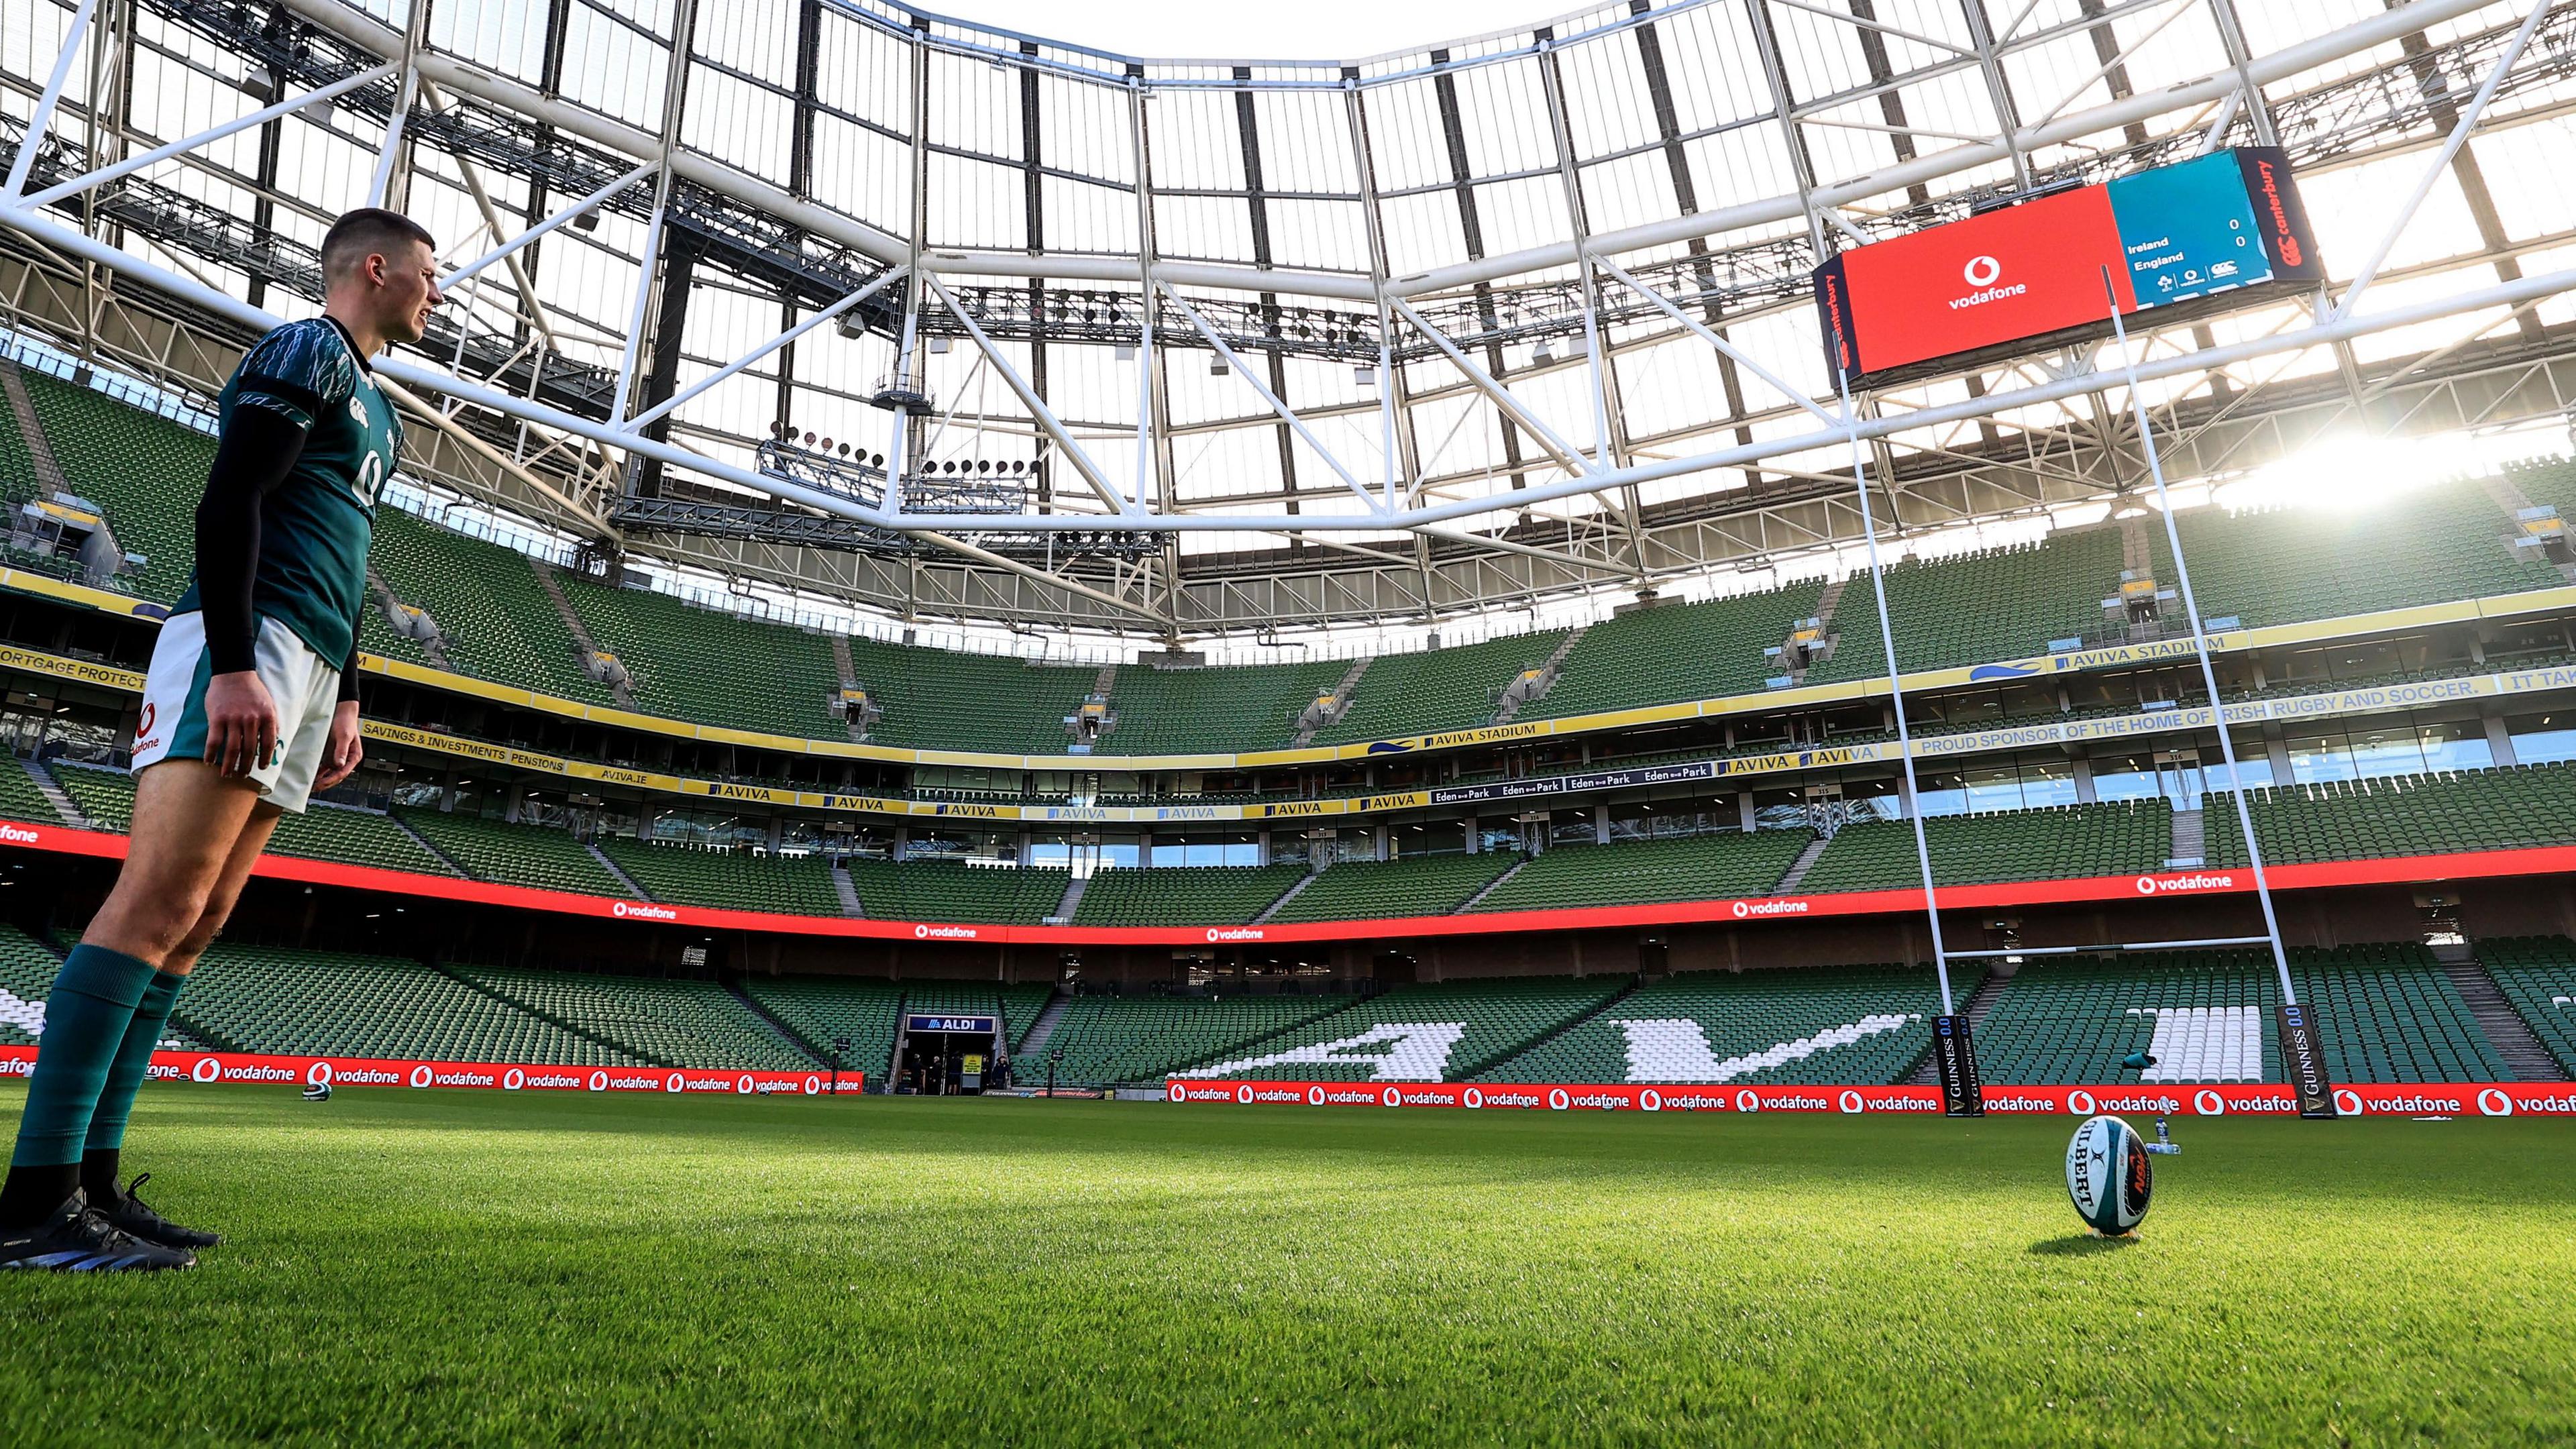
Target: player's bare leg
196, 834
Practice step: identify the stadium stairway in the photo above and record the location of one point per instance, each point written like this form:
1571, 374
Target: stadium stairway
1979, 1005
1049, 1018
848, 893
1805, 862
2507, 1032
821, 1052
614, 869
1497, 883
467, 981
1271, 910
52, 790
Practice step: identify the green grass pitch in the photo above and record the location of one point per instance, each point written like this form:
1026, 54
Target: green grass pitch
474, 1268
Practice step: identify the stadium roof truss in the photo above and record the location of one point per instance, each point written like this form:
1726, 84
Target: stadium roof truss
951, 321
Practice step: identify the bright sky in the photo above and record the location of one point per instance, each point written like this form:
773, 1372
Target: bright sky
1305, 30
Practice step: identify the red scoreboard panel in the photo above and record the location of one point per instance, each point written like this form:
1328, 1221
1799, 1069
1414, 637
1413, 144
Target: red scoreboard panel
2056, 265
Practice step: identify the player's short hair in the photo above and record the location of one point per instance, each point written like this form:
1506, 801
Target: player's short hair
368, 231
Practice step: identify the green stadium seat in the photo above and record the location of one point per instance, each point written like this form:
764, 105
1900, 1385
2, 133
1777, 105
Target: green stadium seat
1845, 1025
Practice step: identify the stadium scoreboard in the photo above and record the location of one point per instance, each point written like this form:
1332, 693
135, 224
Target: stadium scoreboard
2032, 273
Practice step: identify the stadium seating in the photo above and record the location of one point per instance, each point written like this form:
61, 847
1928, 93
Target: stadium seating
105, 796
275, 999
1863, 1024
1699, 867
1979, 608
666, 1021
1125, 1040
699, 664
322, 832
2071, 1019
1436, 689
733, 880
929, 890
2116, 838
2383, 1013
1447, 1032
1676, 652
19, 797
942, 700
1216, 895
2446, 541
820, 1008
2537, 975
1421, 885
27, 972
493, 614
2495, 809
144, 471
1180, 711
527, 855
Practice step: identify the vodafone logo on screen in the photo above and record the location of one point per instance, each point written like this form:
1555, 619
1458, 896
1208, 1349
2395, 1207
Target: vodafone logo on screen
2021, 271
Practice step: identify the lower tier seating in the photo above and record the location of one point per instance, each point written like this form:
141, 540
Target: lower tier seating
27, 972
1422, 885
730, 879
1700, 867
275, 999
668, 1022
1120, 1040
1862, 1024
2537, 975
1430, 1033
822, 1008
2385, 1013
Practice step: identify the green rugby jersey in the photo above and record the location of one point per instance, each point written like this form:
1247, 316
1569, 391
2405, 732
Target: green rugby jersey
314, 529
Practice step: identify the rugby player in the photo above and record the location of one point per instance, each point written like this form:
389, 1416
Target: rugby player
250, 706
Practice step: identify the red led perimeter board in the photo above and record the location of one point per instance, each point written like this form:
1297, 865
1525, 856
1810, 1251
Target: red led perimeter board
2023, 271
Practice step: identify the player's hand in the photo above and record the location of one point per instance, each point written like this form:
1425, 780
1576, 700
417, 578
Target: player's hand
241, 722
340, 757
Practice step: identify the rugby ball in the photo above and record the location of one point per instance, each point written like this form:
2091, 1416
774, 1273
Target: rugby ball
318, 1092
2109, 1176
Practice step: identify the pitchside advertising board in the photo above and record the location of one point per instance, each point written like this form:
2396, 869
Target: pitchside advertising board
247, 1068
2412, 1099
2174, 235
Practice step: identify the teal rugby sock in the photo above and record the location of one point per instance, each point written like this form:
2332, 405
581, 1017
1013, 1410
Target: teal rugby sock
86, 1017
133, 1061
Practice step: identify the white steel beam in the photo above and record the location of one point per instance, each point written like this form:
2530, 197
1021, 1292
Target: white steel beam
764, 349
1028, 396
73, 34
511, 248
158, 154
1286, 414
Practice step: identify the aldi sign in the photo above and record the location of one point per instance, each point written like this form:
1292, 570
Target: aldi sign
2035, 271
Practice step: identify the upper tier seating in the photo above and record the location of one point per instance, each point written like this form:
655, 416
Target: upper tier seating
1124, 1040
492, 612
666, 1021
1212, 895
1423, 1033
1436, 689
2383, 1013
1699, 867
937, 699
276, 999
1855, 1025
730, 879
2497, 809
1979, 608
2122, 837
143, 470
1421, 885
932, 890
2537, 975
820, 1008
528, 855
1676, 652
2446, 541
699, 664
19, 797
1181, 711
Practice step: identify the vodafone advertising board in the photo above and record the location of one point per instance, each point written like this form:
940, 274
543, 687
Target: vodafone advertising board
2406, 1099
247, 1068
2170, 235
